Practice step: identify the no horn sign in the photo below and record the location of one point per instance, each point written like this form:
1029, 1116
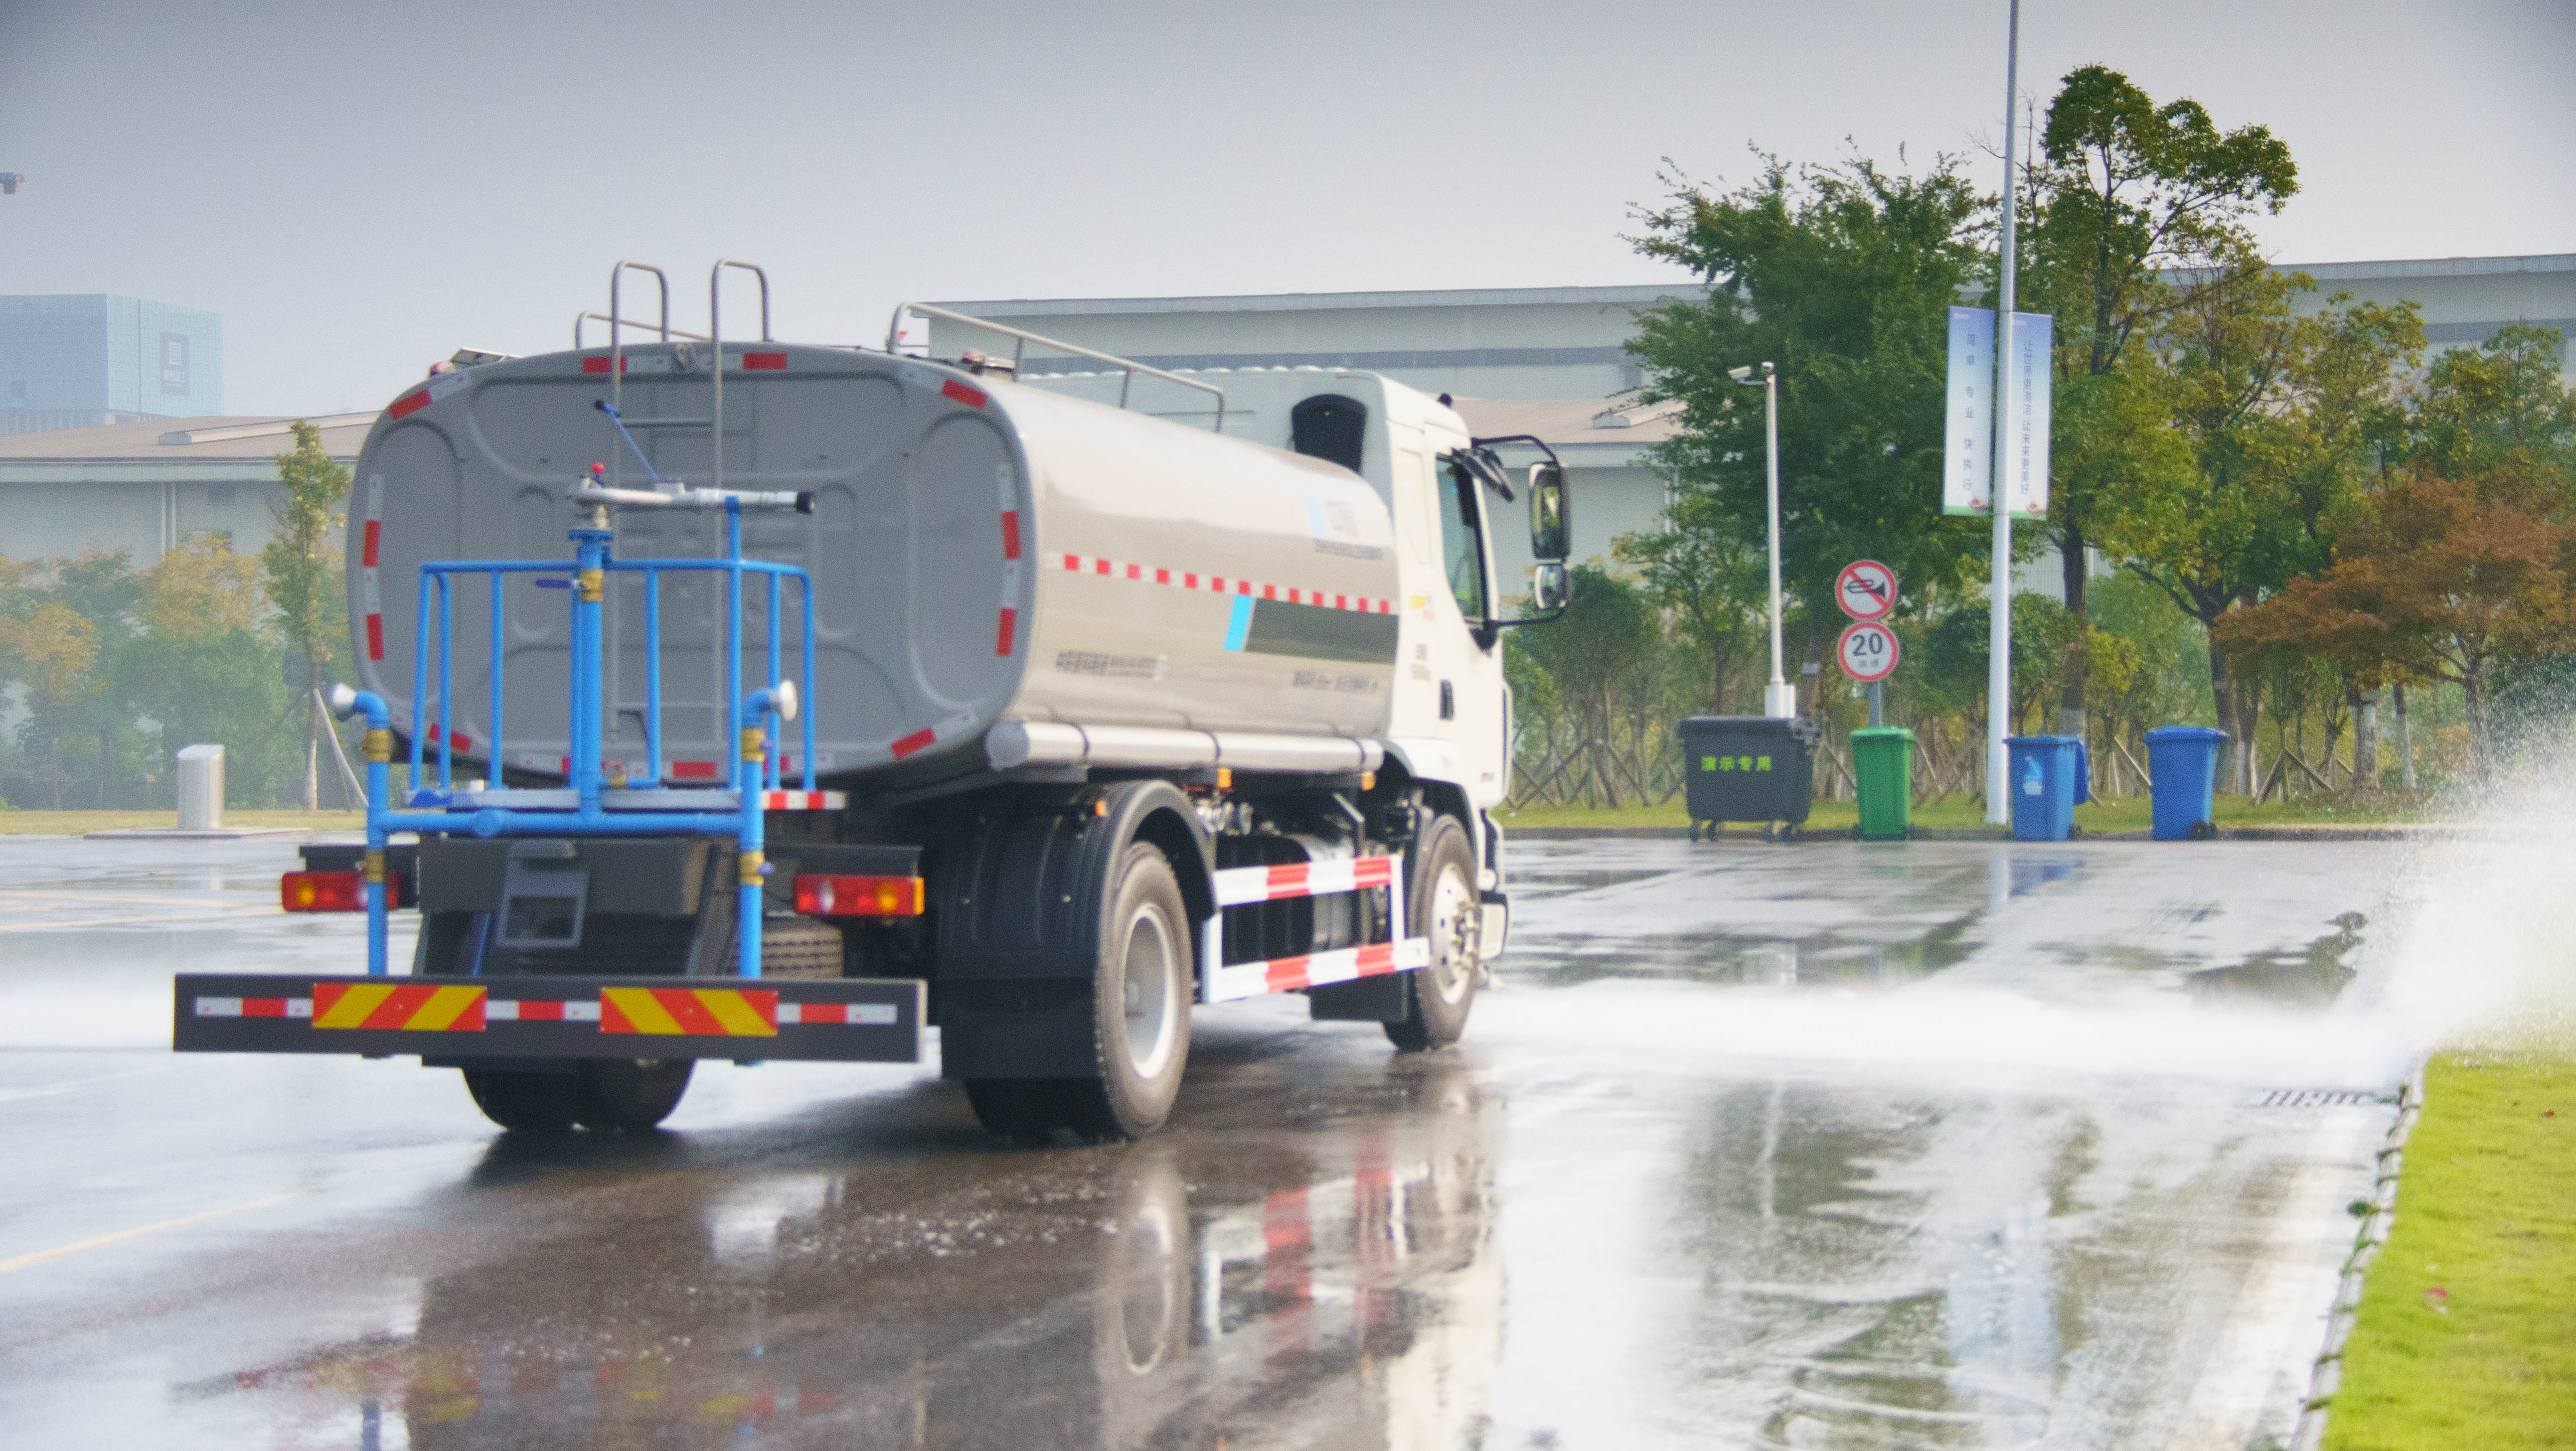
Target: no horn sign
1866, 589
1867, 652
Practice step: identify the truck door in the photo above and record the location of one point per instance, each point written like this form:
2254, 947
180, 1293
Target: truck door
1468, 659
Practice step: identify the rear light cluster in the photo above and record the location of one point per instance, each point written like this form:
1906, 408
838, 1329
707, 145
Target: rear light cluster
332, 891
835, 896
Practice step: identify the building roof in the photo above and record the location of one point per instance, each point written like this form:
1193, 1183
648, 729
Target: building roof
186, 440
1323, 301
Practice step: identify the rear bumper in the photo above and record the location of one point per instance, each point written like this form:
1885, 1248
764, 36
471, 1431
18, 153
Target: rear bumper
849, 1020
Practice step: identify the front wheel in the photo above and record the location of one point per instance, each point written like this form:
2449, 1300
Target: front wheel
1443, 905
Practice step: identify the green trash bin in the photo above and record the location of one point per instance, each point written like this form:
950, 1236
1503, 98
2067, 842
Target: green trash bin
1883, 766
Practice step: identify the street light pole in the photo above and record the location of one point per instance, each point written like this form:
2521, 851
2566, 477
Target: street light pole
1999, 644
1779, 701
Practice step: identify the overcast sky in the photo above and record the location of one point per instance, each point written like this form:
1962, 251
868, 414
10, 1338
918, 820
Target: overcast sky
360, 187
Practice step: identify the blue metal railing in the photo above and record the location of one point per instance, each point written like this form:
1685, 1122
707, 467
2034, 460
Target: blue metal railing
754, 766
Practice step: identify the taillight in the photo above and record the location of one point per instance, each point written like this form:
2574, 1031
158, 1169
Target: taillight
829, 896
324, 892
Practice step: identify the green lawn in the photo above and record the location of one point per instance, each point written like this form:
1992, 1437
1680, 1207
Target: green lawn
2467, 1332
2129, 813
75, 823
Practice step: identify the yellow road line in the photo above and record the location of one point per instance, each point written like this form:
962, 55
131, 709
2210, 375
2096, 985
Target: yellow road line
40, 1256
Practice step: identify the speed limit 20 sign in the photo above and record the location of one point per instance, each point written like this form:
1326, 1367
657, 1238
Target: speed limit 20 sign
1867, 651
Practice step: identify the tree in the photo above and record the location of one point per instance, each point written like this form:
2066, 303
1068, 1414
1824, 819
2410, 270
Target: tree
2445, 580
2276, 410
2136, 210
207, 666
1700, 570
1594, 662
1843, 276
303, 576
50, 652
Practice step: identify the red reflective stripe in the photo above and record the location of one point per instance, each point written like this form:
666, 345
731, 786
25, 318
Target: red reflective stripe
1010, 534
375, 637
1162, 576
772, 361
960, 393
367, 550
1377, 959
409, 404
1073, 562
594, 365
263, 1007
533, 1011
695, 771
1010, 623
1100, 566
460, 740
1283, 973
911, 743
1136, 571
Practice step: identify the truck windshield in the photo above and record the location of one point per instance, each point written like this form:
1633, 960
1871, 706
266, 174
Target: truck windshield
1459, 551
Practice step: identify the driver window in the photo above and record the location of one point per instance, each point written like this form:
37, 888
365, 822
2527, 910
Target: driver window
1459, 551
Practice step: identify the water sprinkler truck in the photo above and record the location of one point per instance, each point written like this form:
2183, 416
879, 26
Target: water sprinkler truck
762, 701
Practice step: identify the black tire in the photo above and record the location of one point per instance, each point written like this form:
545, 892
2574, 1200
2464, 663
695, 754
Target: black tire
2204, 831
1141, 987
631, 1094
799, 949
1441, 903
527, 1103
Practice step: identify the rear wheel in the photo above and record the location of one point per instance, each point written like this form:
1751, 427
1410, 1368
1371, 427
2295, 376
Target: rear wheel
1140, 1012
1443, 905
527, 1103
632, 1094
599, 1093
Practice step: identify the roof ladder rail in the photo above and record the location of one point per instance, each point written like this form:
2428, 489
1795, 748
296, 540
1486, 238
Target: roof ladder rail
617, 345
1128, 366
715, 341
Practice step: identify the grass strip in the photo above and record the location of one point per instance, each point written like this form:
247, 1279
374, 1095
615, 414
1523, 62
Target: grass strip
2466, 1335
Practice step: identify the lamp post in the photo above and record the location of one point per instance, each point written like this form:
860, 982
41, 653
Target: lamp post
1999, 504
1779, 700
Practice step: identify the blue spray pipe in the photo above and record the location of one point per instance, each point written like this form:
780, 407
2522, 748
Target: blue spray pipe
379, 749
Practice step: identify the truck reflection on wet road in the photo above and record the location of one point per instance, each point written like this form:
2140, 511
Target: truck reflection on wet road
1942, 1145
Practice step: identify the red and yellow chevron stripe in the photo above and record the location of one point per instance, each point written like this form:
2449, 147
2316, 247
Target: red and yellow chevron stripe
411, 1007
703, 1012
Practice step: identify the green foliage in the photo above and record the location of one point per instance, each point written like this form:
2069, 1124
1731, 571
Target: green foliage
1713, 584
302, 572
1843, 276
119, 667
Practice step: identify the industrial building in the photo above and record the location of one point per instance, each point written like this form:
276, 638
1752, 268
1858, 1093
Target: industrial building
90, 359
1545, 361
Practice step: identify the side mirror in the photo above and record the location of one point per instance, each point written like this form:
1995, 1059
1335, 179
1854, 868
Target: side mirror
1551, 530
1550, 591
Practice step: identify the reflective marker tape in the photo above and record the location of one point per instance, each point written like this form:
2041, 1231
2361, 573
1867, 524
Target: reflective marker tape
693, 1012
1219, 584
254, 1007
539, 1010
401, 1007
852, 1015
1236, 886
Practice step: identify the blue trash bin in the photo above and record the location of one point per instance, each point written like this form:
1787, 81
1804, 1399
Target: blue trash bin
2182, 768
2051, 775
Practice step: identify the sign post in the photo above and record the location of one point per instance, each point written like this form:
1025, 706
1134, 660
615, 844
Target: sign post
1867, 651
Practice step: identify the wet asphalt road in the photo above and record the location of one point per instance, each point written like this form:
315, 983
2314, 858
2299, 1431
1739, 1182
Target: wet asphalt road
1940, 1145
